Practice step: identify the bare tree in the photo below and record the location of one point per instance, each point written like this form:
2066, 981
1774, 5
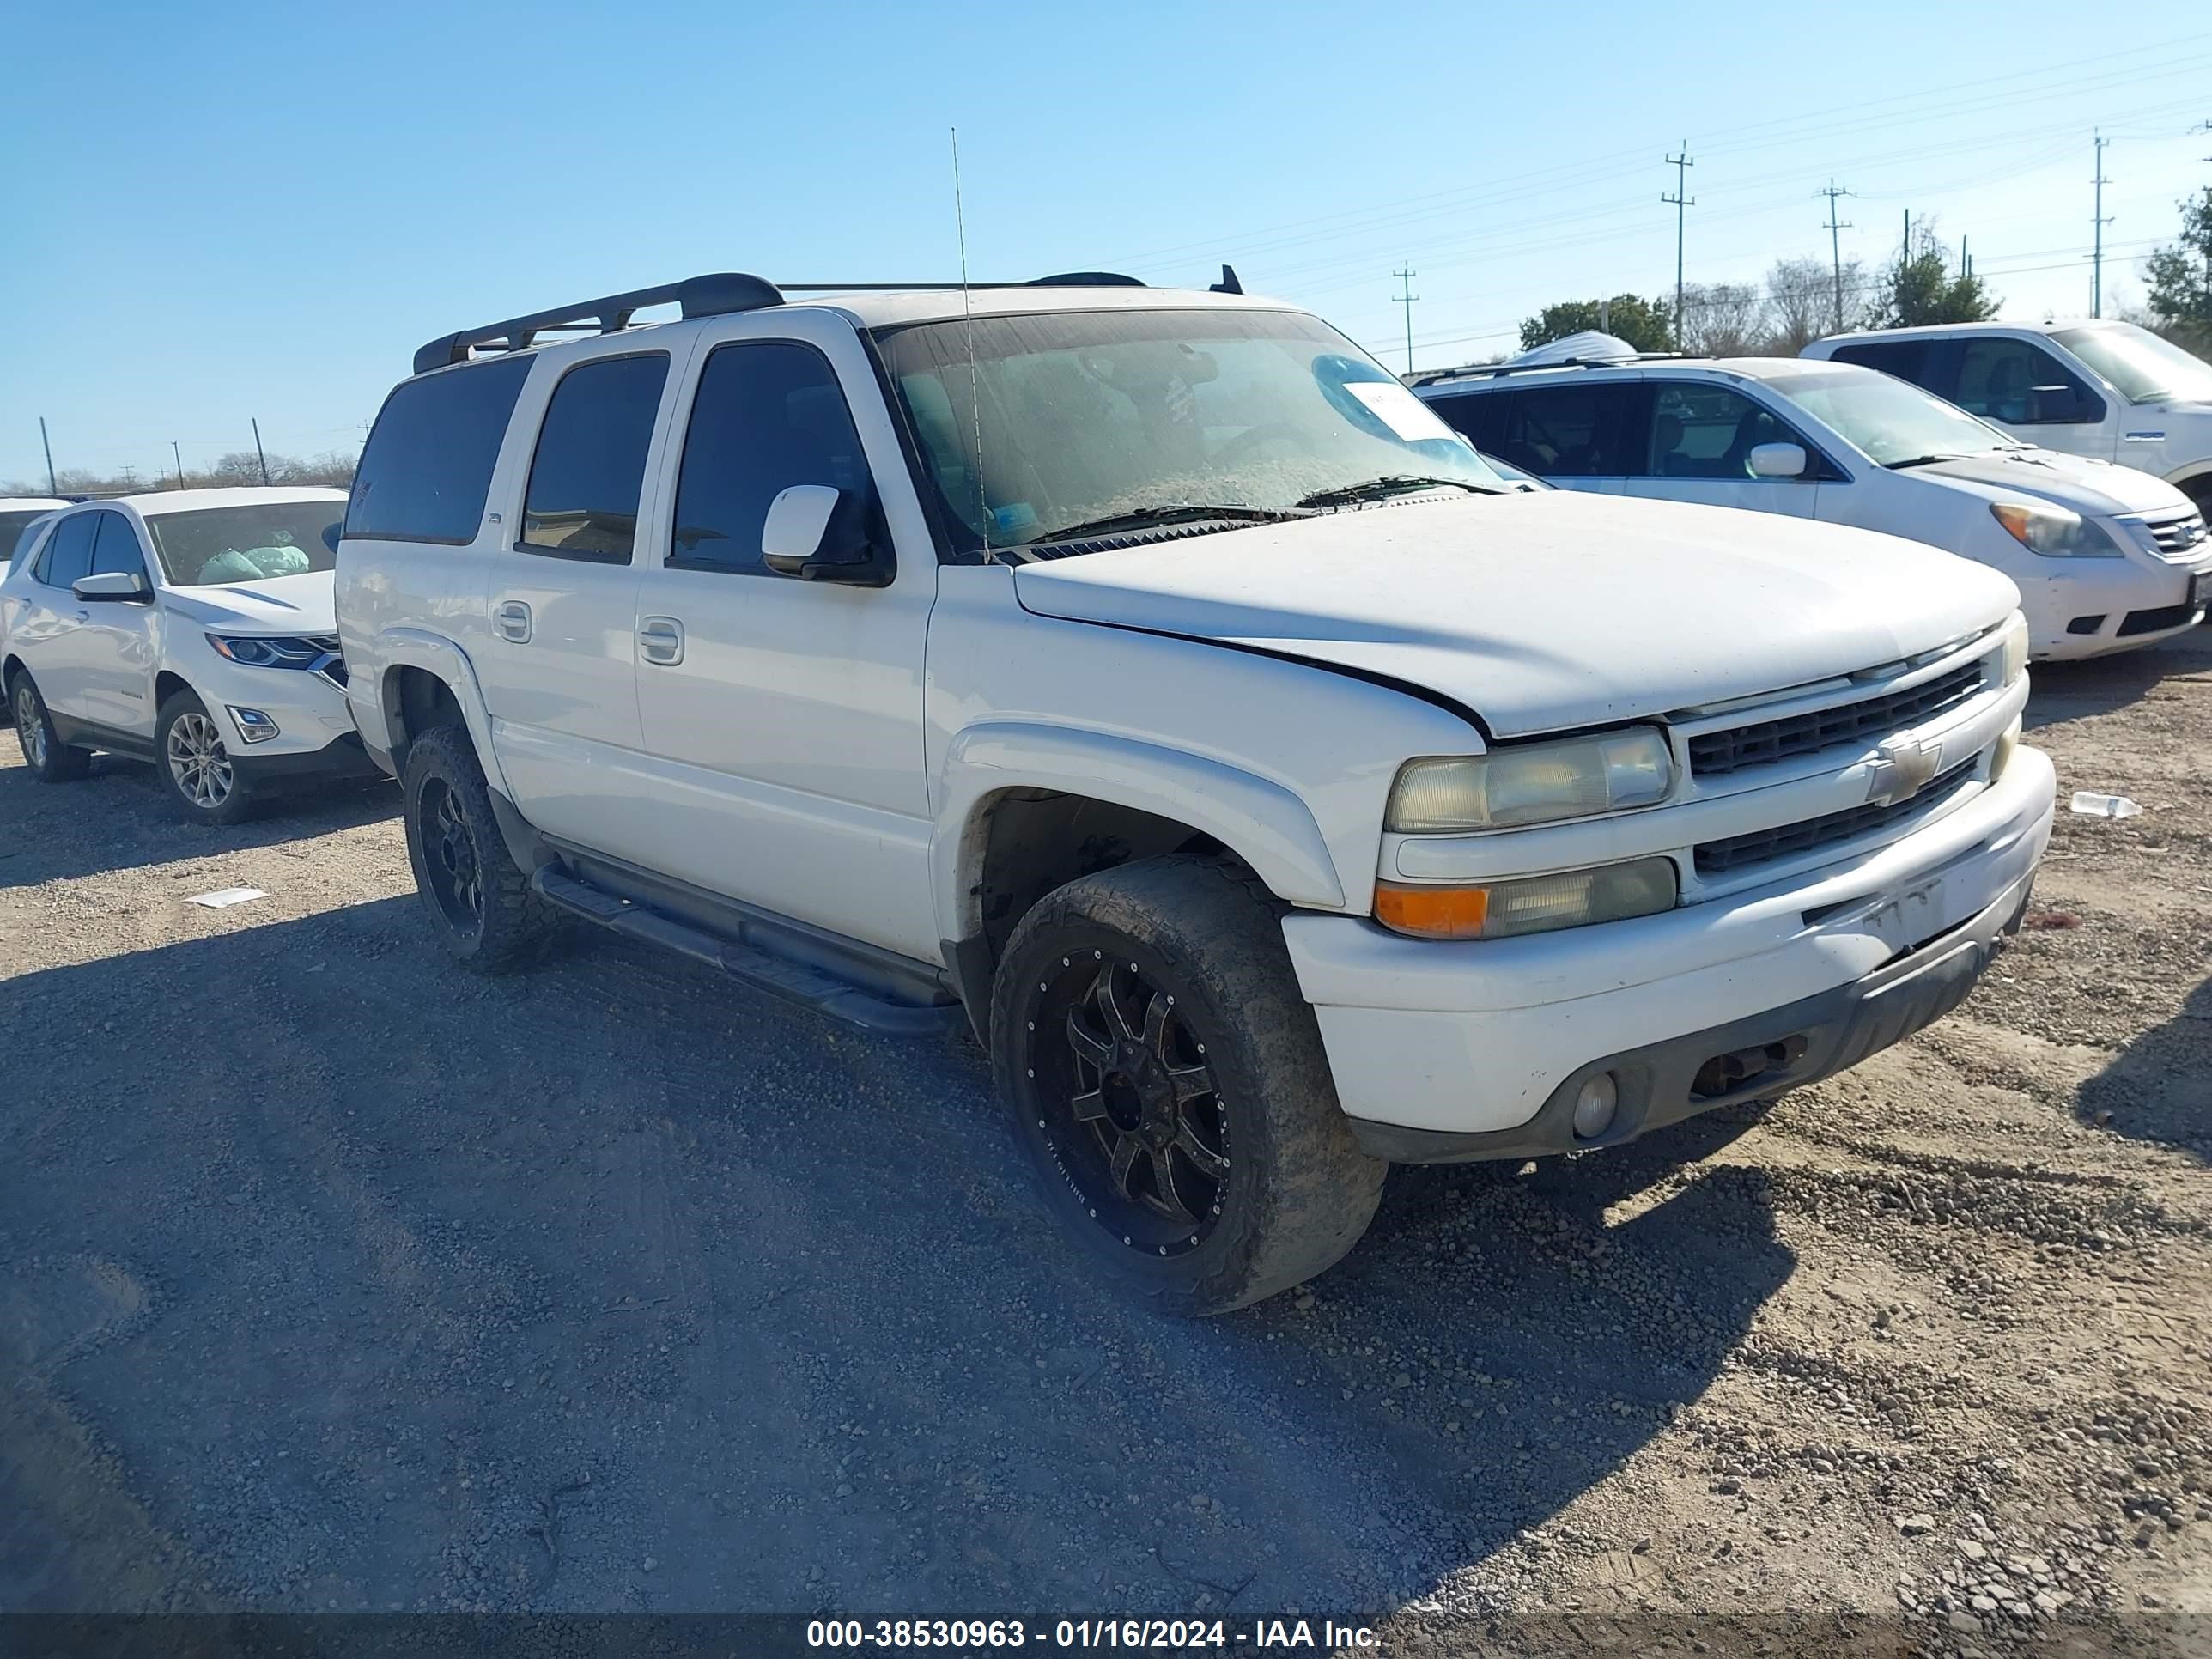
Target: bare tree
331, 470
1723, 319
1800, 300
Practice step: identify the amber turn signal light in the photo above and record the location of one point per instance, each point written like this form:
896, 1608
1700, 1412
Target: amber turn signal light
1433, 912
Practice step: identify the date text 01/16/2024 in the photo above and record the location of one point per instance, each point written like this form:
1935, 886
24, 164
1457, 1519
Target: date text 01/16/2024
1154, 1635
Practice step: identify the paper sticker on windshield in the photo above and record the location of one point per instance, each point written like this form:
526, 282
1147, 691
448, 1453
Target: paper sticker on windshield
1399, 409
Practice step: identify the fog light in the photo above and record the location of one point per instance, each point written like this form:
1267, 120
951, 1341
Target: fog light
1594, 1104
252, 724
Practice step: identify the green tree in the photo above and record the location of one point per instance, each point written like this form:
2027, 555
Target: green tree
1647, 325
2181, 276
1922, 287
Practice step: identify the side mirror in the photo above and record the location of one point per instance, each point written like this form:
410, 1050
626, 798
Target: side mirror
112, 586
818, 533
2053, 405
1778, 460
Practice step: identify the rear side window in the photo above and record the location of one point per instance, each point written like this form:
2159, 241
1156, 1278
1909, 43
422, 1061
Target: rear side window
1570, 431
1477, 416
428, 465
589, 470
1909, 360
767, 414
15, 531
115, 548
68, 551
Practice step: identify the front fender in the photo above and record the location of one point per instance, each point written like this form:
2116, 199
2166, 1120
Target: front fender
440, 657
1262, 823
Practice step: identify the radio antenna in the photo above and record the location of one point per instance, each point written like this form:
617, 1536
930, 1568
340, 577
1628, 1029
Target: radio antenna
968, 316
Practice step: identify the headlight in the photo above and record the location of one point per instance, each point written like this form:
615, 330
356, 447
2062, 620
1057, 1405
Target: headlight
2054, 533
1532, 904
267, 651
2001, 755
2012, 650
1532, 783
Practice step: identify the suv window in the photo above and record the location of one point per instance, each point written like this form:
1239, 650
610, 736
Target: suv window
427, 467
1910, 359
767, 414
68, 551
589, 470
1708, 432
115, 547
1997, 378
1570, 431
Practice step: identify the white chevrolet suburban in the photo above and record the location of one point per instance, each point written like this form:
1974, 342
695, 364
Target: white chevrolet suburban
1148, 679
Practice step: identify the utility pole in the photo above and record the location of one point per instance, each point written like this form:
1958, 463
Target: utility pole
52, 489
1681, 202
2097, 223
1406, 297
258, 453
1836, 247
177, 455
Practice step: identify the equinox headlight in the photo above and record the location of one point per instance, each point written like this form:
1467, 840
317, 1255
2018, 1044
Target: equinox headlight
267, 650
1532, 783
2054, 533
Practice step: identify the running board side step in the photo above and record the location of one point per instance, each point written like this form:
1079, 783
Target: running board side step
792, 981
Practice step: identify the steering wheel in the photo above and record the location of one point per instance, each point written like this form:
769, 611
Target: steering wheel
1253, 437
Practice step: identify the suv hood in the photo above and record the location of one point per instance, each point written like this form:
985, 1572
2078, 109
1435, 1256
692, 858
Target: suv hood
281, 604
1543, 612
2093, 489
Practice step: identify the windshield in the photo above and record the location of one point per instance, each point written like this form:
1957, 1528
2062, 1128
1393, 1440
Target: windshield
1892, 420
13, 524
2142, 366
1086, 417
220, 544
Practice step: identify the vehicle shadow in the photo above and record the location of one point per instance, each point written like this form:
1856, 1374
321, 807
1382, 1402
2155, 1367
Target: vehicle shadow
2061, 691
116, 819
614, 1287
2156, 1089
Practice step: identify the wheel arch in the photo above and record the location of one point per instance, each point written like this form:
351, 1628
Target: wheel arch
427, 680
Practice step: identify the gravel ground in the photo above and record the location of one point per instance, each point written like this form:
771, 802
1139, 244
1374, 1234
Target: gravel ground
331, 1278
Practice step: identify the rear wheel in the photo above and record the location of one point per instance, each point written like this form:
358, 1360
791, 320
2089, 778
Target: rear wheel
50, 760
482, 905
1169, 1084
198, 772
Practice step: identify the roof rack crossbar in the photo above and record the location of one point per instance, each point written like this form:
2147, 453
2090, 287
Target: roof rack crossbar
1491, 371
713, 295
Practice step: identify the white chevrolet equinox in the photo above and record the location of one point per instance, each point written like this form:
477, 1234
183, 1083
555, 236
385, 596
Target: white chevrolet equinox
1149, 679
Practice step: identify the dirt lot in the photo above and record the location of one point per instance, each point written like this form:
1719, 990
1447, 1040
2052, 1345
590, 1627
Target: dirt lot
330, 1278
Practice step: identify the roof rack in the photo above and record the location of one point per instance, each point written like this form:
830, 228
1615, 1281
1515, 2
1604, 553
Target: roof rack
718, 295
1491, 371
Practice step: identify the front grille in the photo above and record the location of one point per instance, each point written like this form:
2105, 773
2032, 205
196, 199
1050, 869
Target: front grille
1720, 857
2176, 538
333, 667
1716, 753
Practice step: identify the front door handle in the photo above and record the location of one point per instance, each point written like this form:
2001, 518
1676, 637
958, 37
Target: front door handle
660, 641
512, 620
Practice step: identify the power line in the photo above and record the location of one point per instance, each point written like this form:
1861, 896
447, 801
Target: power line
1405, 274
1683, 203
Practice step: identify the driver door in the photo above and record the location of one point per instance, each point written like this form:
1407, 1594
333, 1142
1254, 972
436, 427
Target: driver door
111, 651
1698, 448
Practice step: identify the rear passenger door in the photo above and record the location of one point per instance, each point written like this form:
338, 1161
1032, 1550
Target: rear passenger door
559, 660
1578, 435
785, 717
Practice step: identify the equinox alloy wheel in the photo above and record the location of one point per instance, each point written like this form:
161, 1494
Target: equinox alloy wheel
1169, 1084
201, 775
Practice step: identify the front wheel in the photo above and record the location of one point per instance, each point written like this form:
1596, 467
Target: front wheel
1169, 1084
198, 773
50, 760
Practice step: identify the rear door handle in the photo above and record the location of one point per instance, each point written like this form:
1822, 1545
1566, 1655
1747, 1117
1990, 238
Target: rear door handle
512, 620
660, 641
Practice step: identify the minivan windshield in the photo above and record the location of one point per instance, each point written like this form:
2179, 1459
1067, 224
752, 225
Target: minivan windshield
1073, 424
219, 545
2143, 368
1893, 421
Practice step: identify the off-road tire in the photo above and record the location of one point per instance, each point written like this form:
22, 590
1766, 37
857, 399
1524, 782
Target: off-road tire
1298, 1192
514, 927
50, 760
238, 801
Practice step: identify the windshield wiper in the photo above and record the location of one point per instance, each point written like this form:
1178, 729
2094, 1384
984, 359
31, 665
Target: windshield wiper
1397, 483
1923, 460
1144, 518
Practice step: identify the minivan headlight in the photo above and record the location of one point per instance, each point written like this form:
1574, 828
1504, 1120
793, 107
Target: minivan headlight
1532, 783
2054, 533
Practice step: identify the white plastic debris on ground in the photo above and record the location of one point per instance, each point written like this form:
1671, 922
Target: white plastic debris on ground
225, 897
2091, 805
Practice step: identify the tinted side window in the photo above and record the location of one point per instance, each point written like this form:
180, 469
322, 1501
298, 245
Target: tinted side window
115, 548
1478, 416
589, 470
1708, 432
1569, 431
1909, 360
428, 465
1998, 378
68, 551
767, 414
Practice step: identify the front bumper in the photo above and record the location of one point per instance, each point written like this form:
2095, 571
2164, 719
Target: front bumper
341, 759
2096, 606
1468, 1050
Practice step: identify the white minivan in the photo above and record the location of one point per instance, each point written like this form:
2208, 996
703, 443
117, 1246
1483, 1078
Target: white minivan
2105, 558
2110, 391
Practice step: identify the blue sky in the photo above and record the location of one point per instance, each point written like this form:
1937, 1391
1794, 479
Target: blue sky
224, 210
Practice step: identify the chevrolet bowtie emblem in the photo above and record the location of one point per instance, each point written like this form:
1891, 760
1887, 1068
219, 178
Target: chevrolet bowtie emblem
1902, 768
